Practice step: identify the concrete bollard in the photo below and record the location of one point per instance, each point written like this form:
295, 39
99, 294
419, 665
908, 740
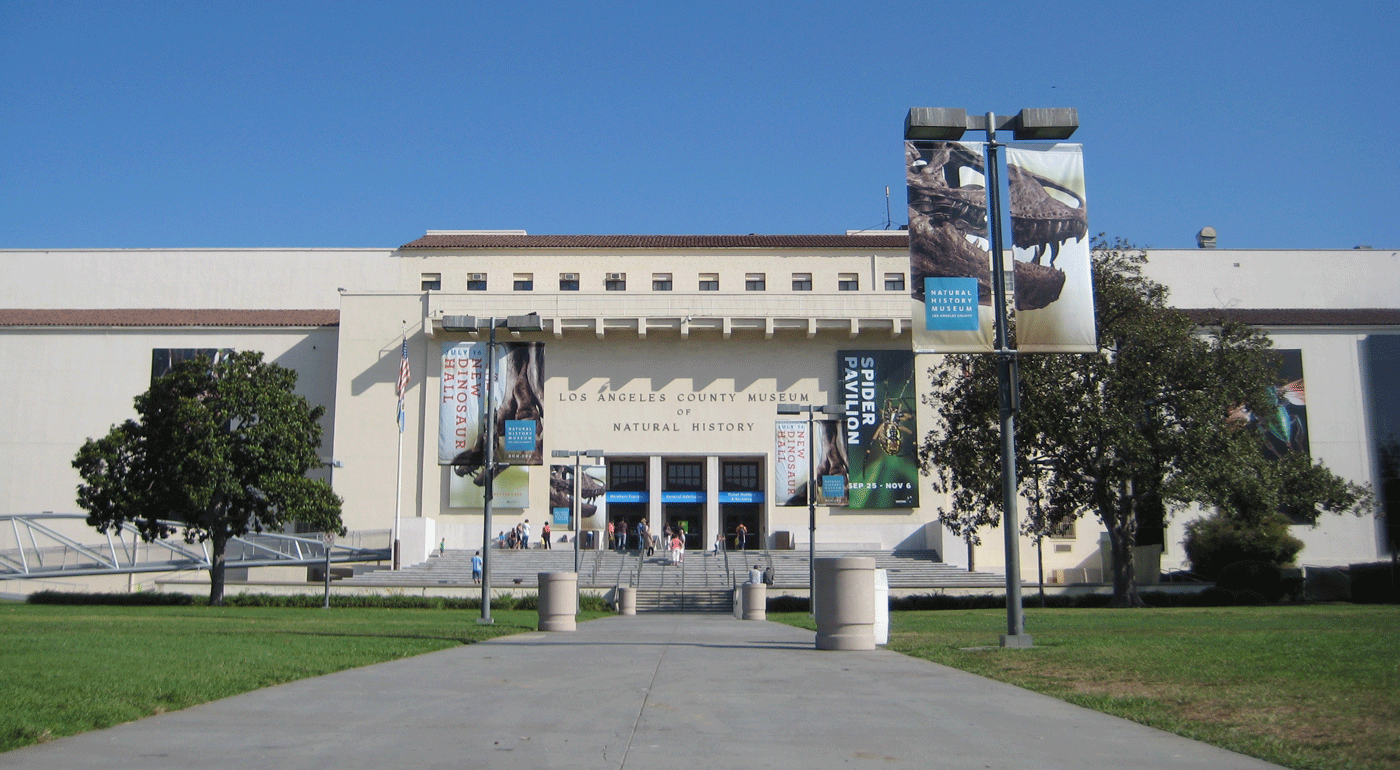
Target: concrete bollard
626, 600
845, 595
558, 601
755, 601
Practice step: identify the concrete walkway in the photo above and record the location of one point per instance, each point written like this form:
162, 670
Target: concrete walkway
650, 691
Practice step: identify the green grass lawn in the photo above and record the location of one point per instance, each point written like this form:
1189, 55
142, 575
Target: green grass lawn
69, 669
1303, 686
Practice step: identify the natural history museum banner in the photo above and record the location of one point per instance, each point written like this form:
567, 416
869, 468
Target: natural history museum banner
877, 388
1050, 246
949, 262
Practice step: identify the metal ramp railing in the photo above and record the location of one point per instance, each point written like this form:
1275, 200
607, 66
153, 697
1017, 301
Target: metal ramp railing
41, 545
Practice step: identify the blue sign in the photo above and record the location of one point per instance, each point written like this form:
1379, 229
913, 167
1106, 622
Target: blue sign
520, 435
833, 487
950, 304
628, 497
561, 517
741, 497
682, 497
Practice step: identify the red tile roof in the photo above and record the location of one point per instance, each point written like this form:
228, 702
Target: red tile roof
893, 239
169, 317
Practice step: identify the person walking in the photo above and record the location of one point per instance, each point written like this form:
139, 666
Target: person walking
544, 536
476, 567
741, 537
677, 550
612, 536
525, 535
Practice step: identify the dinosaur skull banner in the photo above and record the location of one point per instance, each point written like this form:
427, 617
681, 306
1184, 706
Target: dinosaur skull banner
949, 262
1050, 246
515, 394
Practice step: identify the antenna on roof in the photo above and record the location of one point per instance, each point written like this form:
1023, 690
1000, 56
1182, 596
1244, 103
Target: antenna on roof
888, 223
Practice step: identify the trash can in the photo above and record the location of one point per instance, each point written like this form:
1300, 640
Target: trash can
755, 601
558, 603
845, 596
626, 600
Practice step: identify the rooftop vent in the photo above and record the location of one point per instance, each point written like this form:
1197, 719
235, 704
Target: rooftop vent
1205, 239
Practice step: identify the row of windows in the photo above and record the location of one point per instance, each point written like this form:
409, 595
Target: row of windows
664, 282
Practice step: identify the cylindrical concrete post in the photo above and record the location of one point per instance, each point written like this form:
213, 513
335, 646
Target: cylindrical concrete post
845, 593
626, 600
755, 601
558, 601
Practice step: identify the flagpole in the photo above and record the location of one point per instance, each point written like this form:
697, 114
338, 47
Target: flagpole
401, 386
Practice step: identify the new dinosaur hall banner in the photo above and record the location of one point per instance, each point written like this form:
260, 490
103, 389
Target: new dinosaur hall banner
1050, 246
877, 388
790, 463
514, 394
949, 262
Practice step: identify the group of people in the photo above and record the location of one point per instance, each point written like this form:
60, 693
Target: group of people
671, 539
518, 537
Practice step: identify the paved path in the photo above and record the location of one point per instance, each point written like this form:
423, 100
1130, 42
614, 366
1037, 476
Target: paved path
651, 691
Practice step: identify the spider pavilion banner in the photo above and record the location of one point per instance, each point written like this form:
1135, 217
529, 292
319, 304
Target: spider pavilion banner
515, 395
1050, 248
877, 388
949, 258
790, 466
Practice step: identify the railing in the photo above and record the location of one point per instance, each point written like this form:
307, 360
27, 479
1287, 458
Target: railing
124, 551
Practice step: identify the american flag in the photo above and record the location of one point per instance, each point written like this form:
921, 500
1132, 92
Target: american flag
402, 385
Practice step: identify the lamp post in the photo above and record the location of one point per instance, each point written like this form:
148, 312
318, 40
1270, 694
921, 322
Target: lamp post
950, 124
574, 505
515, 323
810, 410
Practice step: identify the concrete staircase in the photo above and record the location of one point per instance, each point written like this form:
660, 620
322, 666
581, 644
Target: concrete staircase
700, 580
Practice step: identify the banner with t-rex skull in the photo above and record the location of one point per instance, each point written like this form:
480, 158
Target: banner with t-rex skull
515, 394
593, 484
949, 261
1050, 246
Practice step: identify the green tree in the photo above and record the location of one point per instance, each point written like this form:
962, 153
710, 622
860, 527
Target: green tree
1130, 433
219, 450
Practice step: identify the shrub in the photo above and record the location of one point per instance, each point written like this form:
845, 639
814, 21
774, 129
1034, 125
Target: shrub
1214, 542
1261, 577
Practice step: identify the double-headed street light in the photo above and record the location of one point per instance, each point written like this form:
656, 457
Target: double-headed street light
941, 123
515, 323
810, 410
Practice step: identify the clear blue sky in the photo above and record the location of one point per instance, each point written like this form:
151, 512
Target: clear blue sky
299, 123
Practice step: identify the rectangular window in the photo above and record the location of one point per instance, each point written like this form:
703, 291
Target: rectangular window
685, 476
627, 476
660, 281
616, 282
709, 282
801, 281
739, 476
524, 282
848, 282
432, 281
476, 282
754, 282
894, 281
568, 282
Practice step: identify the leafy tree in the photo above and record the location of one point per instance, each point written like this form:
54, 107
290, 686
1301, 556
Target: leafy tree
219, 449
1129, 433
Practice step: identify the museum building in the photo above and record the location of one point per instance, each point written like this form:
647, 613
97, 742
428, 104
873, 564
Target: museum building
668, 357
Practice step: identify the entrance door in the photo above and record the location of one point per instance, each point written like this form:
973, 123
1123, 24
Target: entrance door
741, 502
683, 501
627, 480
